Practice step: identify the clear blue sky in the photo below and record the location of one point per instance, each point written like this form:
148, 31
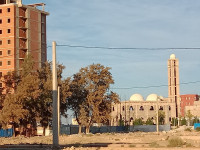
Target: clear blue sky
128, 23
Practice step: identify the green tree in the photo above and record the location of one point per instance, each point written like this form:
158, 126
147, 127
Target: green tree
90, 89
149, 121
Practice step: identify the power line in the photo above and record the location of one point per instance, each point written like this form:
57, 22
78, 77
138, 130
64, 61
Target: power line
127, 48
154, 86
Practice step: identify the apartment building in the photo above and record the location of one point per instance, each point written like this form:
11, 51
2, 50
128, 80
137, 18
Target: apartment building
22, 32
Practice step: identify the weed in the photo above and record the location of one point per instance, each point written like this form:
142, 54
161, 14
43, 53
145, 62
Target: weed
188, 129
154, 144
132, 145
175, 142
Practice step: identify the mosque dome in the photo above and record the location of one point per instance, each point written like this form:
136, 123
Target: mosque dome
172, 56
136, 97
152, 97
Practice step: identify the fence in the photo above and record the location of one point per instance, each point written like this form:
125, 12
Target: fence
6, 132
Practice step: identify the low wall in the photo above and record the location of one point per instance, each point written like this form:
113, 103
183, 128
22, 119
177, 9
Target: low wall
73, 129
149, 128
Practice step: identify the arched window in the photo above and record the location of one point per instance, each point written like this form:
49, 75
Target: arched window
151, 108
113, 108
123, 108
161, 108
169, 108
141, 108
131, 108
131, 119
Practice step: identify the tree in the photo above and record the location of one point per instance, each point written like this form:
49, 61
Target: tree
12, 111
174, 121
189, 116
149, 121
33, 93
161, 117
90, 94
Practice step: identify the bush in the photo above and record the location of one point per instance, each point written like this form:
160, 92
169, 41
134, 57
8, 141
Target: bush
183, 121
197, 129
175, 142
138, 122
188, 129
149, 121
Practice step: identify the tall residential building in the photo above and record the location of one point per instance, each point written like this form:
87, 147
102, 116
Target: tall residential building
22, 32
173, 82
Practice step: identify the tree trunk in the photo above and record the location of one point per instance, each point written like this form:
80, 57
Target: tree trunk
87, 130
79, 129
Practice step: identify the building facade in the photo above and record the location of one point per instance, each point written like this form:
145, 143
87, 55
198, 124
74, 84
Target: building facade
188, 100
137, 107
22, 32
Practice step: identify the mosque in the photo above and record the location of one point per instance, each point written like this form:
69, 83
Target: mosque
138, 107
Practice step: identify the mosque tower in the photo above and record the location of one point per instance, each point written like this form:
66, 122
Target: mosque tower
173, 82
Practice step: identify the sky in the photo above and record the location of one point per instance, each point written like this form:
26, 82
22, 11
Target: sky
128, 24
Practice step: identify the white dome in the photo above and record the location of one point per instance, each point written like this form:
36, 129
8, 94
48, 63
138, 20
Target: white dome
152, 97
172, 56
136, 97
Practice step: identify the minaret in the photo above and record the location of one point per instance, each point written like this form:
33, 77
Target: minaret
173, 82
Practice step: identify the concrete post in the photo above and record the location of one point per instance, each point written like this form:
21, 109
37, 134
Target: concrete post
55, 96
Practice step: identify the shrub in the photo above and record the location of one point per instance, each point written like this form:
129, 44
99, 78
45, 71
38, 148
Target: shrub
175, 142
132, 145
154, 144
197, 129
138, 122
188, 129
149, 121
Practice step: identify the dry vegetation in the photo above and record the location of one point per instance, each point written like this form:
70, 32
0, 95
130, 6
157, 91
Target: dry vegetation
138, 140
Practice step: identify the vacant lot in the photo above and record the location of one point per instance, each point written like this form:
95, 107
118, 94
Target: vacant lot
184, 139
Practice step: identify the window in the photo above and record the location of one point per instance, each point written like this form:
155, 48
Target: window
0, 21
8, 20
1, 74
161, 108
131, 108
123, 108
9, 52
113, 108
9, 41
9, 62
0, 42
8, 9
169, 108
0, 52
0, 31
9, 31
141, 108
0, 10
1, 85
0, 63
151, 108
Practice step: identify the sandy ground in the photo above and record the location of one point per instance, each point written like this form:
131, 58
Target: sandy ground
110, 141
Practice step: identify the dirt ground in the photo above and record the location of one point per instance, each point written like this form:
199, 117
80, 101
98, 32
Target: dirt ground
118, 141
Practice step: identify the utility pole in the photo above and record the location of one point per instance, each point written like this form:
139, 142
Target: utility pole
55, 97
